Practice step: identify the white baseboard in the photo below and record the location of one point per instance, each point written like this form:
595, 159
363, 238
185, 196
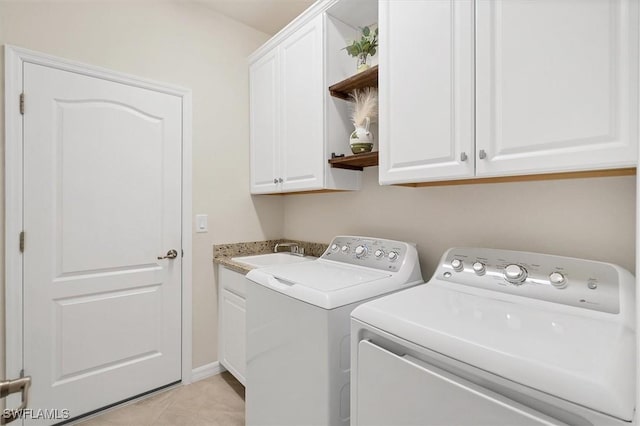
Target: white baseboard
206, 370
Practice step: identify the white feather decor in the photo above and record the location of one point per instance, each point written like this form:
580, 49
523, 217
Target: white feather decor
365, 104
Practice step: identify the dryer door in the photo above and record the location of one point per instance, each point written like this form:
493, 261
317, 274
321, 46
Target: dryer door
403, 390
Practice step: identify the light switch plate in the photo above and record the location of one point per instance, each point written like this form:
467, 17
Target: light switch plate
202, 223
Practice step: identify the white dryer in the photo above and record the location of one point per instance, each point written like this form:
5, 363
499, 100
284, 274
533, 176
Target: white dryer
298, 338
499, 337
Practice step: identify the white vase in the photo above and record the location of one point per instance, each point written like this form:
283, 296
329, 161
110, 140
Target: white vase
361, 139
363, 63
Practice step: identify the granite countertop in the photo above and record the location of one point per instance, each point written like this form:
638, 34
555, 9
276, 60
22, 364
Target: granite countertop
222, 253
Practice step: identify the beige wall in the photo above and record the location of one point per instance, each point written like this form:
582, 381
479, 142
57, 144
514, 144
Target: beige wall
184, 44
588, 218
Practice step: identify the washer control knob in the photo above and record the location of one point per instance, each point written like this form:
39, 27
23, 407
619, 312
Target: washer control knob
379, 254
515, 274
345, 249
457, 265
334, 247
557, 280
361, 251
479, 268
393, 256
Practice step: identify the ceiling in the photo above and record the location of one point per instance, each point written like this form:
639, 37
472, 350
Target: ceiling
268, 16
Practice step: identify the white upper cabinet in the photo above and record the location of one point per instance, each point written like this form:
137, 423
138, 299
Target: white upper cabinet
263, 82
426, 90
557, 85
302, 95
293, 126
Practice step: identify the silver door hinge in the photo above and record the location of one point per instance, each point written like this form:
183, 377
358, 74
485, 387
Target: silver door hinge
22, 242
22, 103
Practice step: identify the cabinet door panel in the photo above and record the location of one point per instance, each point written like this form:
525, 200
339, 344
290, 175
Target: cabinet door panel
263, 77
426, 90
557, 85
234, 334
302, 153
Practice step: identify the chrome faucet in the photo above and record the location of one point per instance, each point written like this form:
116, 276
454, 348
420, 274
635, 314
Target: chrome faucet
294, 248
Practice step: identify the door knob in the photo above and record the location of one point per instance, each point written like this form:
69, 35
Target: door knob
8, 387
171, 254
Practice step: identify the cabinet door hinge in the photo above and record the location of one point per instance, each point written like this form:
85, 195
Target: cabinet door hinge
22, 241
22, 103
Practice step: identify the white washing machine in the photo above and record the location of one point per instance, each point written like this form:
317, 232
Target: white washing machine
298, 338
499, 337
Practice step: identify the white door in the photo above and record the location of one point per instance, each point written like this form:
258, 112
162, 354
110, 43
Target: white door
263, 84
426, 90
102, 179
302, 120
557, 85
402, 390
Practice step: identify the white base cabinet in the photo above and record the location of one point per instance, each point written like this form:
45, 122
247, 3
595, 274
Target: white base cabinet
556, 87
232, 330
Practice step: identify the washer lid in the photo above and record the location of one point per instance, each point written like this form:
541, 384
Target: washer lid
325, 284
589, 360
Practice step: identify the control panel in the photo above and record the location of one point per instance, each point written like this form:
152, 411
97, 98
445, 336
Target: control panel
388, 255
576, 282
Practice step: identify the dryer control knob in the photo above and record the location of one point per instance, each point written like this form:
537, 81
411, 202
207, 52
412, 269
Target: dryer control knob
479, 268
379, 254
515, 274
557, 280
361, 251
345, 249
457, 265
393, 256
334, 247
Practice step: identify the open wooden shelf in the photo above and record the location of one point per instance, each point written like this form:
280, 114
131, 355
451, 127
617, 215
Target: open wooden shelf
368, 78
355, 162
341, 90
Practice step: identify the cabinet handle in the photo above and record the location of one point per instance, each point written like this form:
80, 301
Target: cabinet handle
280, 180
482, 154
463, 156
275, 180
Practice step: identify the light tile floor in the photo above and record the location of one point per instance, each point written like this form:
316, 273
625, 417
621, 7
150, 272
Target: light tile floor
216, 401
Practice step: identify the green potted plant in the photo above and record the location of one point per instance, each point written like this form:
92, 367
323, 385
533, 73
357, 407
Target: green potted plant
363, 48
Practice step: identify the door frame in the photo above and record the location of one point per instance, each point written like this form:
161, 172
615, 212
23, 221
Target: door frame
15, 57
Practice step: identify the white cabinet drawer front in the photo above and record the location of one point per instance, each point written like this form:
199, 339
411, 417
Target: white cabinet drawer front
557, 85
233, 281
426, 90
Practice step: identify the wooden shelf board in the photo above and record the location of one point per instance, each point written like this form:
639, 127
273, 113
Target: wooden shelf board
355, 162
368, 78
